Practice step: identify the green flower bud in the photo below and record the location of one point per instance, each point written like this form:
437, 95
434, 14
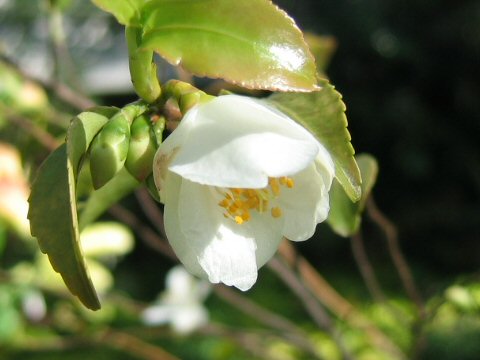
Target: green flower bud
186, 94
109, 150
142, 148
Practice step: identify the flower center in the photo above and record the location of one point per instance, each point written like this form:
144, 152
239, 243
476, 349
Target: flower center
238, 203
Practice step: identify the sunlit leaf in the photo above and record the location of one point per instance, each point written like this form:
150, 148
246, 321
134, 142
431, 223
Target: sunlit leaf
248, 42
127, 12
53, 211
345, 216
323, 113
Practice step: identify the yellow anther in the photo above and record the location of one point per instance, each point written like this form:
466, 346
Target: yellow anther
239, 202
275, 186
290, 183
276, 212
224, 203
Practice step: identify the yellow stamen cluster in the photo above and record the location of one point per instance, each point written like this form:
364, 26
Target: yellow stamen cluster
239, 202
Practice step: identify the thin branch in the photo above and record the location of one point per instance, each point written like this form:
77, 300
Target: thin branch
316, 311
61, 91
401, 264
290, 331
149, 237
366, 268
135, 346
337, 304
42, 136
151, 210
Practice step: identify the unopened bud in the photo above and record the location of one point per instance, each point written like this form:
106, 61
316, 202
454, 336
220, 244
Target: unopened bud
141, 149
109, 150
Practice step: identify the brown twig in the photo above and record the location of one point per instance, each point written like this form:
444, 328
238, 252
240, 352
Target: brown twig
366, 268
398, 259
337, 304
135, 346
316, 311
42, 136
150, 238
151, 210
289, 330
61, 91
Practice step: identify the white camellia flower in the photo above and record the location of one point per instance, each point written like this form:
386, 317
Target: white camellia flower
181, 304
236, 177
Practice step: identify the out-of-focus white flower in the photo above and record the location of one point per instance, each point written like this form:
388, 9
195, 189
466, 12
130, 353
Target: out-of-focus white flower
34, 306
181, 305
236, 177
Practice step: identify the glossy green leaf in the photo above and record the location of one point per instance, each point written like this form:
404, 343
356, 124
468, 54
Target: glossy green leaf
53, 211
345, 216
323, 114
247, 42
127, 12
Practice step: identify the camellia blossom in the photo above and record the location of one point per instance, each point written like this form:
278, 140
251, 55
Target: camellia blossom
237, 176
181, 304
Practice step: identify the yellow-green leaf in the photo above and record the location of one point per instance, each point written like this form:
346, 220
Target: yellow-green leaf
345, 216
127, 12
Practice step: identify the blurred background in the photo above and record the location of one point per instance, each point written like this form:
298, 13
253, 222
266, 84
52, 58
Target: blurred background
406, 70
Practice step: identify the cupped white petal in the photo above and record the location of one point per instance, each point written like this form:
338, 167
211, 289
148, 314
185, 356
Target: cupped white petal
167, 151
235, 141
224, 255
306, 204
184, 247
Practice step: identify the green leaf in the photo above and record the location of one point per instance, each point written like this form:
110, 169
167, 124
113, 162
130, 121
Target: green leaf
53, 211
127, 12
323, 114
247, 42
53, 220
345, 216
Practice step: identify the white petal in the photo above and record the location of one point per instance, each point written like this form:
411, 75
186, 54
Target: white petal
267, 232
157, 314
167, 151
223, 254
183, 246
180, 285
305, 205
230, 259
235, 141
188, 318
